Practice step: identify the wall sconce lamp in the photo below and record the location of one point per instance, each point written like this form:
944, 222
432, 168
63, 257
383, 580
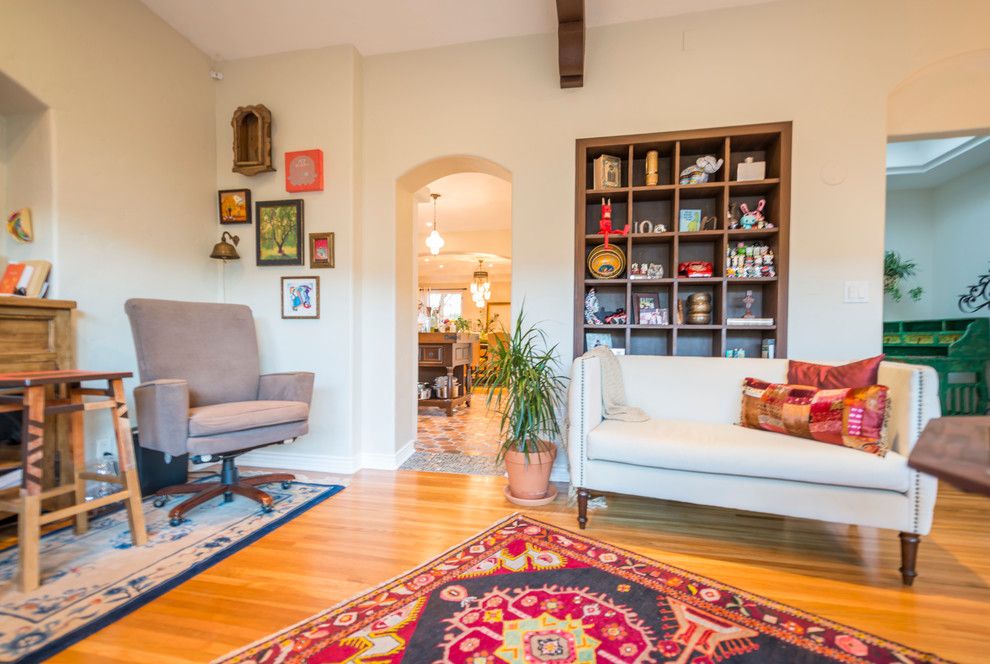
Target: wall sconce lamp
224, 250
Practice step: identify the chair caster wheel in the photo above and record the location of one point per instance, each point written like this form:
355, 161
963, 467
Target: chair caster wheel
267, 509
286, 485
160, 501
177, 521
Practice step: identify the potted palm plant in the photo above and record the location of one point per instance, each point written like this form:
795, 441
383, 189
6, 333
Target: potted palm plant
523, 386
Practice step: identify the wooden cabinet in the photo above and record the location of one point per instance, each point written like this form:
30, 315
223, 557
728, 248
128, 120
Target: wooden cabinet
37, 335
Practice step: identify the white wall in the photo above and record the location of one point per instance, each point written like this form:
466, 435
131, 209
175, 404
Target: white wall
827, 65
910, 231
27, 181
133, 161
946, 230
311, 95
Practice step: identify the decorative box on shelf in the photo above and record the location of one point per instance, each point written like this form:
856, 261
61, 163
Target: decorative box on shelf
751, 170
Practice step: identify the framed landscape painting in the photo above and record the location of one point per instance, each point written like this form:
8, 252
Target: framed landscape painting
279, 231
234, 206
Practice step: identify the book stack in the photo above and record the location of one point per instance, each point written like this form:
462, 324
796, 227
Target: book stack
27, 278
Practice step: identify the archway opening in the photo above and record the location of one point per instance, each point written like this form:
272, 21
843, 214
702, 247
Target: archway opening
448, 304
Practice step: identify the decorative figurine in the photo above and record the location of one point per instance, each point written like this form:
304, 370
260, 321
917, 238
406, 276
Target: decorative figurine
733, 216
591, 308
752, 218
748, 302
701, 170
605, 223
652, 168
618, 318
645, 226
655, 271
709, 223
660, 228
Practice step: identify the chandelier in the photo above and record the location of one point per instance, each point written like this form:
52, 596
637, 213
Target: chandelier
434, 241
481, 290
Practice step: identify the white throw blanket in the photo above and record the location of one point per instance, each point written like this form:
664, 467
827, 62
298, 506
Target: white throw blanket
613, 391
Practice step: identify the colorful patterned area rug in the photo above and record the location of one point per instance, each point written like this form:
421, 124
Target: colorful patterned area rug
524, 592
89, 581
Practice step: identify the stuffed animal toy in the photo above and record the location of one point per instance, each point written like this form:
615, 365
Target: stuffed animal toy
751, 218
701, 170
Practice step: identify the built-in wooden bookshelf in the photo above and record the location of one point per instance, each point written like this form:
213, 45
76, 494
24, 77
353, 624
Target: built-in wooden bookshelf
634, 201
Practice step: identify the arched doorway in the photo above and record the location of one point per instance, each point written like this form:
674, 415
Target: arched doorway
407, 262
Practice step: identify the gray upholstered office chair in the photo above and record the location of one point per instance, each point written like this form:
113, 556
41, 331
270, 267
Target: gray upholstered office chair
202, 393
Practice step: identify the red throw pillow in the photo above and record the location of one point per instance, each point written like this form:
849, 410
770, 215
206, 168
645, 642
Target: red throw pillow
823, 376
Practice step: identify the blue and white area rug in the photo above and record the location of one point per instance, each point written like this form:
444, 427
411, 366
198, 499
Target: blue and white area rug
90, 581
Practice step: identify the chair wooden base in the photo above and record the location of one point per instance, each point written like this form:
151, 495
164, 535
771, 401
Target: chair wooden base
230, 484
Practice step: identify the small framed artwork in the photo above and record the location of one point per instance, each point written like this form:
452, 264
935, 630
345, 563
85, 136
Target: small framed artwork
320, 250
648, 309
300, 297
279, 232
234, 206
304, 171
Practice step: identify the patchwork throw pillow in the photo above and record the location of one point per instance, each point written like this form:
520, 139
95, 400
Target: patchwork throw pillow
850, 416
855, 374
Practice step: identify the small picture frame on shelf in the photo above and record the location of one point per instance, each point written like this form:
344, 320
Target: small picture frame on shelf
595, 339
301, 297
690, 221
648, 310
321, 250
234, 206
607, 172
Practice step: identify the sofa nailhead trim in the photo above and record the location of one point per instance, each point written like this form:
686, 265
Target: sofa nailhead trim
582, 451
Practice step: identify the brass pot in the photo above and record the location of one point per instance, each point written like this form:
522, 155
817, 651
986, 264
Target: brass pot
699, 318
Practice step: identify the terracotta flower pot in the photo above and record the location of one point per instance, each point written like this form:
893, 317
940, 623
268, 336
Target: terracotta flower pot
530, 479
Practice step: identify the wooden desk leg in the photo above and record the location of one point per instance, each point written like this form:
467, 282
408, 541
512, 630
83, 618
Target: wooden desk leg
77, 442
125, 452
29, 518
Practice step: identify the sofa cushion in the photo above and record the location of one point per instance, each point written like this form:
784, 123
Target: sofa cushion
727, 449
242, 415
853, 417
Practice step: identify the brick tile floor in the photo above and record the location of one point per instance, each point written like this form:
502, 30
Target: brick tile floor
471, 430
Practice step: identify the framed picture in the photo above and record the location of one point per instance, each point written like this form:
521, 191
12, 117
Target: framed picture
499, 314
320, 250
648, 310
304, 171
300, 297
234, 206
595, 339
279, 232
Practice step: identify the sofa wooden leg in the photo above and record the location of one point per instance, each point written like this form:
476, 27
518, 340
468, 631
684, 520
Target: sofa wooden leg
909, 557
582, 496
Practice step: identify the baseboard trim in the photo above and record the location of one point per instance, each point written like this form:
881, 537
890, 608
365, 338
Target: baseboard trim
344, 465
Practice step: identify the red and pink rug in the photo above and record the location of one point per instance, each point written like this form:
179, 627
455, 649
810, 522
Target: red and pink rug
525, 592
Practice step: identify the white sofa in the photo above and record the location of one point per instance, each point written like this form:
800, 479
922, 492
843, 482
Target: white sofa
693, 451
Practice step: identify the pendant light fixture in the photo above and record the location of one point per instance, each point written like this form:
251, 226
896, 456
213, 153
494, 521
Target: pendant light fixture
434, 241
481, 289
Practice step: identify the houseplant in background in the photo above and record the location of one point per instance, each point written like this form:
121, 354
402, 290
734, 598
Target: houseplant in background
895, 271
524, 387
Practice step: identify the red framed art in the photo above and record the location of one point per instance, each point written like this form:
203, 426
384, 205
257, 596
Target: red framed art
304, 170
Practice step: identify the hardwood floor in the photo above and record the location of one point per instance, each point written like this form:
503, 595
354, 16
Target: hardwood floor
387, 522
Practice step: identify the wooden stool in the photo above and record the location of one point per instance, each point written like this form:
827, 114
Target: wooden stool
26, 392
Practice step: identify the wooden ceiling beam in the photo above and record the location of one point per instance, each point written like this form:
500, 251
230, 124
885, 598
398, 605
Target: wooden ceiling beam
570, 42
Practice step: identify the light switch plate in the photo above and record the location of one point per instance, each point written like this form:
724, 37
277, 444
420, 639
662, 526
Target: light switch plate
856, 292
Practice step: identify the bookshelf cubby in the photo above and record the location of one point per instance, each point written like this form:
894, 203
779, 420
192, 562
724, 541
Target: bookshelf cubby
662, 203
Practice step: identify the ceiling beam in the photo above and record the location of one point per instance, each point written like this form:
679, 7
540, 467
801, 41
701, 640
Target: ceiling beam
570, 42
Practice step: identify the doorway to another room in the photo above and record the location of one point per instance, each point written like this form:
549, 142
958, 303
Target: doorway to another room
464, 245
937, 264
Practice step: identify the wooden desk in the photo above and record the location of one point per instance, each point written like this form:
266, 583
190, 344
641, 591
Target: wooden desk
38, 335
